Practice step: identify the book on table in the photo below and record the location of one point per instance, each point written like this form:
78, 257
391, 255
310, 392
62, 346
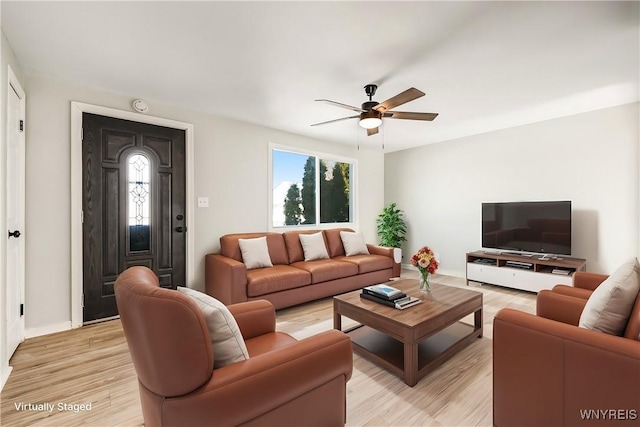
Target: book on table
399, 303
384, 291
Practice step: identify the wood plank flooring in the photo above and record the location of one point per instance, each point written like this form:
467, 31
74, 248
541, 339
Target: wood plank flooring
91, 365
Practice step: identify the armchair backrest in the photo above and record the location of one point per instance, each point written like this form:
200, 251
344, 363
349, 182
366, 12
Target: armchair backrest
166, 333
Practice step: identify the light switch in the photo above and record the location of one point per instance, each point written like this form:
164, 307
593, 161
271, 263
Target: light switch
203, 202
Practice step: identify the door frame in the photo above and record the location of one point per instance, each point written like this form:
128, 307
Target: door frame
77, 108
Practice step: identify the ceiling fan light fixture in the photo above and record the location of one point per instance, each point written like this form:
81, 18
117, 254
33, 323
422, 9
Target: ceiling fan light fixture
370, 119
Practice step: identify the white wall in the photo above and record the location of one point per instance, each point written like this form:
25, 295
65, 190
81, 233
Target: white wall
230, 168
590, 158
7, 59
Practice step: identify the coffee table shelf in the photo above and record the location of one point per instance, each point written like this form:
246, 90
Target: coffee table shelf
389, 352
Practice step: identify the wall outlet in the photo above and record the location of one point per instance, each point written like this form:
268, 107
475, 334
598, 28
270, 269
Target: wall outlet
203, 202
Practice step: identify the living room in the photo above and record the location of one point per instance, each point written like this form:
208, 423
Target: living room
579, 144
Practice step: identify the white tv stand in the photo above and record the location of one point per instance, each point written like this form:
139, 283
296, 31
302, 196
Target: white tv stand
522, 271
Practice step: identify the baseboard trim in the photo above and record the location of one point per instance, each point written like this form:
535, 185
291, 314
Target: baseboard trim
46, 330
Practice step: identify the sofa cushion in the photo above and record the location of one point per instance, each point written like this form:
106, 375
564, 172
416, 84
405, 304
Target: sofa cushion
334, 241
609, 306
353, 243
226, 338
368, 263
230, 247
323, 270
313, 246
255, 252
275, 279
293, 245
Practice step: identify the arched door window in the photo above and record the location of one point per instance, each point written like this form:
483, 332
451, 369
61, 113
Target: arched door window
139, 182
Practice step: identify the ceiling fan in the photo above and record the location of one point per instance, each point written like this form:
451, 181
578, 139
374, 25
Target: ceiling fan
372, 112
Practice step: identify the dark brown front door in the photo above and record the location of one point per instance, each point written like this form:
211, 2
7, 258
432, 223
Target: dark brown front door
133, 201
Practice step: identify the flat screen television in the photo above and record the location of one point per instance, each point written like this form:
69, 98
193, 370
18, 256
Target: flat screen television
540, 227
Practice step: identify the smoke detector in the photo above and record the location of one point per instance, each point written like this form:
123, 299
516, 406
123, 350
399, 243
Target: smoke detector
140, 106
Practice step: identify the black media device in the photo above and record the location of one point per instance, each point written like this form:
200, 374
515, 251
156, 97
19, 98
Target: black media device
540, 227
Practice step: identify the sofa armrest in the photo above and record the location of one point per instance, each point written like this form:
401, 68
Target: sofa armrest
380, 250
384, 251
590, 281
562, 308
546, 372
254, 318
225, 279
317, 367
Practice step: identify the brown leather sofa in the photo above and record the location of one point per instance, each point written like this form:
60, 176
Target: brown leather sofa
292, 280
284, 382
549, 372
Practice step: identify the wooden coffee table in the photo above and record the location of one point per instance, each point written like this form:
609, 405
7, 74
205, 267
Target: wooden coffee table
411, 342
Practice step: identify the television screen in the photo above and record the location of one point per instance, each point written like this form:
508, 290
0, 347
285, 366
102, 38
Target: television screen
541, 227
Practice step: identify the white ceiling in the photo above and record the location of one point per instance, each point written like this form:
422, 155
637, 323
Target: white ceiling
483, 65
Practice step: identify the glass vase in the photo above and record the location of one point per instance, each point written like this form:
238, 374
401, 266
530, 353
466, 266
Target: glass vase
425, 285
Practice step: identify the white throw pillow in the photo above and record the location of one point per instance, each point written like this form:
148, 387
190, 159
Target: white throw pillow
313, 246
609, 306
255, 252
226, 338
353, 243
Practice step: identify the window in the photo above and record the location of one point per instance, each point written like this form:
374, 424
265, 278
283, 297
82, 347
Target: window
138, 177
310, 189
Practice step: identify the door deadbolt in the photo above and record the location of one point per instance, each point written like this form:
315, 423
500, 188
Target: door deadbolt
15, 234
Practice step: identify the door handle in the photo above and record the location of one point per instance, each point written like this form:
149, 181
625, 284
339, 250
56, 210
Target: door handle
15, 234
181, 229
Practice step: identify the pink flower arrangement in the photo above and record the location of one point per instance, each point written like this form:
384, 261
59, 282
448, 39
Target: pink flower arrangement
425, 260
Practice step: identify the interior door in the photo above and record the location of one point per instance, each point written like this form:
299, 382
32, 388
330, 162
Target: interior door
133, 206
15, 190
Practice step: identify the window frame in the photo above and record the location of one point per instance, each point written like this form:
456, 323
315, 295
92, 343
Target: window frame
353, 181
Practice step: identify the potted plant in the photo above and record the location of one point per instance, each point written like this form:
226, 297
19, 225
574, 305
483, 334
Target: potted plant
392, 229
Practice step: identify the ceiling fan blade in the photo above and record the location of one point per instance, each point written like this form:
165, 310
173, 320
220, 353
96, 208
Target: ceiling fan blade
372, 131
335, 120
410, 116
341, 105
401, 98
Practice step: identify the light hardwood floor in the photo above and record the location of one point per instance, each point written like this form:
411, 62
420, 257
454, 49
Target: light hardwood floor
92, 365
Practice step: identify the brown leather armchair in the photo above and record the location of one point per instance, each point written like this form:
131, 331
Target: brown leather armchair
549, 372
284, 382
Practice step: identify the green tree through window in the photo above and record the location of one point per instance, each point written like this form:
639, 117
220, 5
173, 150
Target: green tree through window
292, 206
309, 191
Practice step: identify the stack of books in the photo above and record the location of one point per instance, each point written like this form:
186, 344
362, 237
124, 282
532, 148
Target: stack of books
388, 295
